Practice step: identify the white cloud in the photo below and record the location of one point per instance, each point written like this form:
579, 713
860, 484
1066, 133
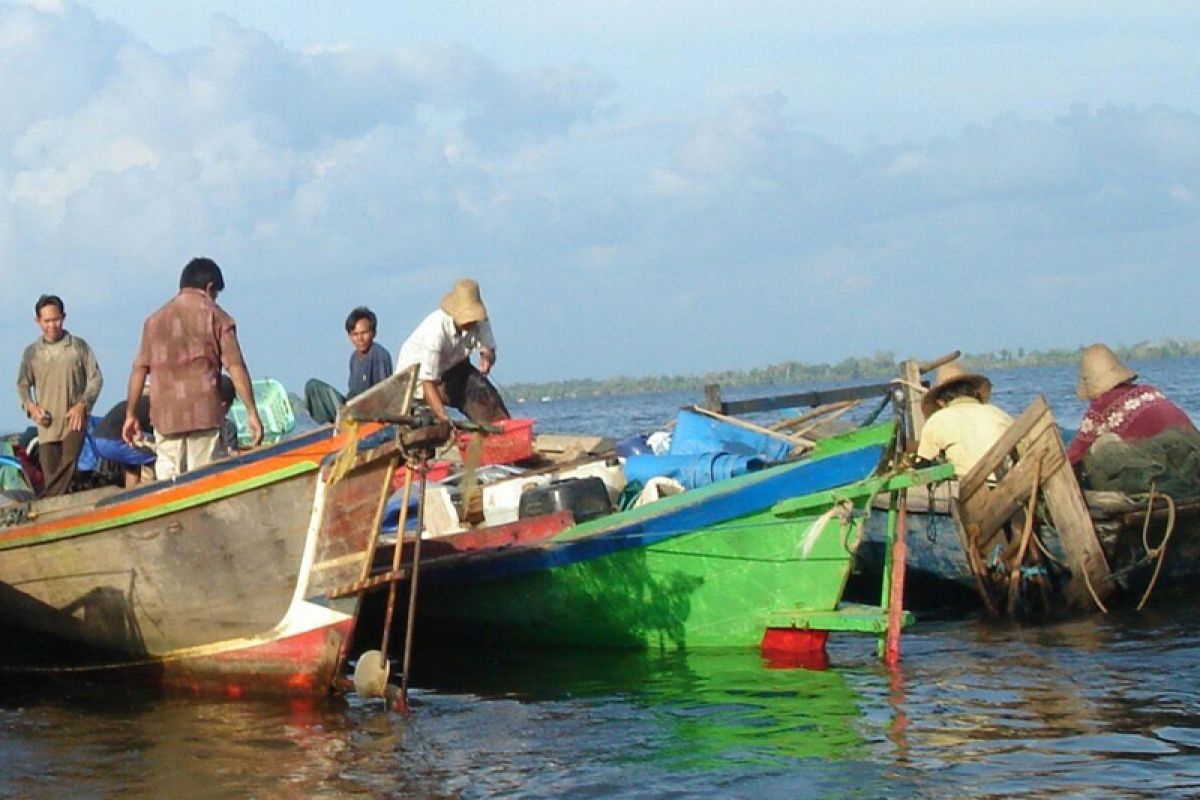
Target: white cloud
325, 177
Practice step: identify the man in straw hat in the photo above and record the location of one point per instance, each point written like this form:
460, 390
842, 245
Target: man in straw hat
1121, 411
441, 347
961, 424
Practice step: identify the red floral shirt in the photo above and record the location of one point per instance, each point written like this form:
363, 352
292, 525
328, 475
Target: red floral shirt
1131, 411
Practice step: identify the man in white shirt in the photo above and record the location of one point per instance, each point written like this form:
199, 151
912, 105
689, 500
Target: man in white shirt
441, 347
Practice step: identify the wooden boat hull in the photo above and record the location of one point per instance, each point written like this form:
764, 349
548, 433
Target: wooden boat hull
710, 567
939, 576
215, 581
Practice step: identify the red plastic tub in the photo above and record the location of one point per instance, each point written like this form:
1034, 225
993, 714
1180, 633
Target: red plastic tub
513, 443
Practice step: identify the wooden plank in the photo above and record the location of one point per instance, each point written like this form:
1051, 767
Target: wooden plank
712, 397
575, 445
790, 438
911, 373
804, 399
991, 509
792, 423
991, 460
1033, 439
1078, 536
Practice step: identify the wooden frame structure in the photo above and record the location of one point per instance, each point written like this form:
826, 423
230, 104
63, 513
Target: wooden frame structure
1023, 479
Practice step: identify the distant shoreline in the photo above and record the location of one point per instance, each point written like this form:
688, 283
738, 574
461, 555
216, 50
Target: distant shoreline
790, 373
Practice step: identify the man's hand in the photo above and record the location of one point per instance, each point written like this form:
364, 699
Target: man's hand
131, 431
77, 416
256, 429
487, 359
36, 413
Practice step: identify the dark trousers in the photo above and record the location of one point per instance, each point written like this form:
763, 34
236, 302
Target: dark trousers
323, 400
58, 462
468, 390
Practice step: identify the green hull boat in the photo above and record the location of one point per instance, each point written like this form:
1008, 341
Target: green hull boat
716, 566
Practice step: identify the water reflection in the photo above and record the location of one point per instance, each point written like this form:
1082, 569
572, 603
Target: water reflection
705, 707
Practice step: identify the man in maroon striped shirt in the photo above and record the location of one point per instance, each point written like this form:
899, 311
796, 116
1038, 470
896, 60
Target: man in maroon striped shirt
1119, 406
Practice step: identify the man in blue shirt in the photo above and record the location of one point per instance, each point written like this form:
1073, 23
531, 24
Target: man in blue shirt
370, 363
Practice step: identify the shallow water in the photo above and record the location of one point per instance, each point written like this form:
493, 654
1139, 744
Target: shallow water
1095, 707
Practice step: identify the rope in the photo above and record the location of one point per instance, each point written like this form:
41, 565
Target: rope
1037, 541
1159, 552
1092, 591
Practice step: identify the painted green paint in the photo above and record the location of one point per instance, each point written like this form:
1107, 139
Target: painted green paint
716, 587
720, 586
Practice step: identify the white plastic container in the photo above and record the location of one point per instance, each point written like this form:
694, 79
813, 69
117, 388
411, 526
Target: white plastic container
502, 499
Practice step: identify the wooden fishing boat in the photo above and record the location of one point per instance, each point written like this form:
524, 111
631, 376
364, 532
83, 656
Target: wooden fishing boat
218, 580
746, 561
1020, 535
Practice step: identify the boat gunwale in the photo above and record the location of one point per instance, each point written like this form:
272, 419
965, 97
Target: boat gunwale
227, 478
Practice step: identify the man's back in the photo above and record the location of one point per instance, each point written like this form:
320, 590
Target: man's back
184, 345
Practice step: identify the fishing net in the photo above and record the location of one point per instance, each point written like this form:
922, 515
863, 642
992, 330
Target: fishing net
1170, 461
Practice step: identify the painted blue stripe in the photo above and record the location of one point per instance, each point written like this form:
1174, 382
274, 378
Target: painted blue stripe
759, 491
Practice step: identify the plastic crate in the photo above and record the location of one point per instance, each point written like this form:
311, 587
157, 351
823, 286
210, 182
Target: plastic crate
513, 443
274, 409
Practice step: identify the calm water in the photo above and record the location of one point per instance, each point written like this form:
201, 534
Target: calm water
1098, 707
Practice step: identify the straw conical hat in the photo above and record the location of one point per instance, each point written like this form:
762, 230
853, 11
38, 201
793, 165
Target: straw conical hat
1099, 371
953, 374
463, 303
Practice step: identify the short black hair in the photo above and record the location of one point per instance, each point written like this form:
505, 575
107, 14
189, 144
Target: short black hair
361, 312
225, 389
56, 301
963, 389
199, 273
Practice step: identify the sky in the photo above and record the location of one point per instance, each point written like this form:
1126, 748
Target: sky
640, 188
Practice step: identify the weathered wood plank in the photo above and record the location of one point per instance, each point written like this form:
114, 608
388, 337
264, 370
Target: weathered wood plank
978, 475
804, 399
1036, 445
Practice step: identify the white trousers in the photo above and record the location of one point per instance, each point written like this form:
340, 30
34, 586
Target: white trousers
183, 452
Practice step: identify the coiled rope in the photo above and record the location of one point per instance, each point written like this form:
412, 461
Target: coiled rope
1159, 552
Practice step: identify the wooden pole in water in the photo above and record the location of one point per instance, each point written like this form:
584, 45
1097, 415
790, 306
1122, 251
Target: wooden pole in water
402, 699
891, 654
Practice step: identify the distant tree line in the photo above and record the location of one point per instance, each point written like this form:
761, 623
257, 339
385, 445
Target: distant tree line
789, 373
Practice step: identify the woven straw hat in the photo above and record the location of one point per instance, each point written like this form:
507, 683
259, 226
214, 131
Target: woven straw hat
1099, 371
463, 303
953, 374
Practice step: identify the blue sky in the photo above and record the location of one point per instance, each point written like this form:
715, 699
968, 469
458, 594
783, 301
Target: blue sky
640, 188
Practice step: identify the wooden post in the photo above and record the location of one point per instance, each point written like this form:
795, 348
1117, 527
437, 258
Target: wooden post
889, 560
712, 397
911, 373
401, 704
895, 601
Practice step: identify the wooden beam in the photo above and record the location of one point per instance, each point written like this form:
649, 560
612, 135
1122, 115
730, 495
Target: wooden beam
712, 397
991, 460
911, 373
804, 399
790, 438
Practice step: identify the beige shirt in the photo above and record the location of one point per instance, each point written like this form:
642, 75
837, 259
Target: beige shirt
964, 430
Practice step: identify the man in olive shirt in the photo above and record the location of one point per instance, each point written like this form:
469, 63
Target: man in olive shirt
58, 382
